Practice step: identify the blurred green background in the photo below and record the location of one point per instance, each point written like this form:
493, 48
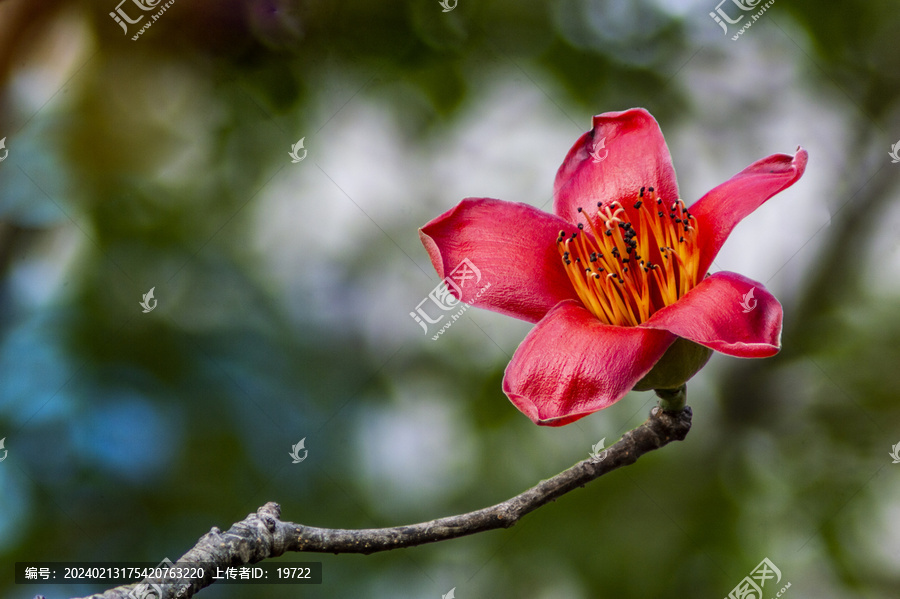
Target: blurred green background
284, 290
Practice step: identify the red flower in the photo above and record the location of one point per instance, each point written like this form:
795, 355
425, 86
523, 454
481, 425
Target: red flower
616, 278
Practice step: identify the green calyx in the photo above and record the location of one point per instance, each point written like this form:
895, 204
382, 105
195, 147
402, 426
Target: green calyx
681, 361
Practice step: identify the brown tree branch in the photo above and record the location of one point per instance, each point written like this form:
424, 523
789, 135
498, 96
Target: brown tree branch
263, 535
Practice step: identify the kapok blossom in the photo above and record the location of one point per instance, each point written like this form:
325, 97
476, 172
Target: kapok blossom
616, 279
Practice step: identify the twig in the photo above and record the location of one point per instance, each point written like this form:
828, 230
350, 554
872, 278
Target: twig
263, 535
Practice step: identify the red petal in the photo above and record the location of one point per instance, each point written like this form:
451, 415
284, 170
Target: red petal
715, 314
635, 155
728, 204
571, 365
513, 249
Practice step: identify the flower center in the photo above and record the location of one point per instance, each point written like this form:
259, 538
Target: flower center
624, 272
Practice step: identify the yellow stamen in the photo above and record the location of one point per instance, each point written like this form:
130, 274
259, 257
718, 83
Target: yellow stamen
622, 273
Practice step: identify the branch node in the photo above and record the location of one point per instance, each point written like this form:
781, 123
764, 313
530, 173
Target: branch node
672, 400
270, 514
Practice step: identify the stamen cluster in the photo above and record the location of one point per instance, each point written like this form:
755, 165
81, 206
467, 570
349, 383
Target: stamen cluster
624, 273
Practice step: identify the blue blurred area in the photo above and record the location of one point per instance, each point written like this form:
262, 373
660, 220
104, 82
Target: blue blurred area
128, 439
34, 369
